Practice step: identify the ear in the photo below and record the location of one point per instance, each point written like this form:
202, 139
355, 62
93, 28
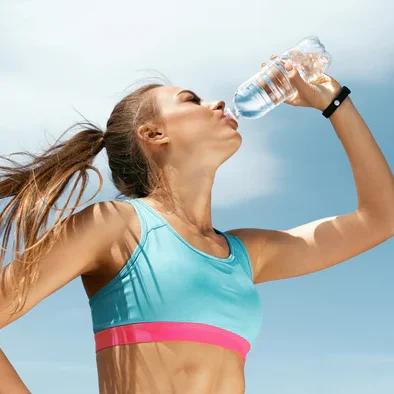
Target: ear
153, 134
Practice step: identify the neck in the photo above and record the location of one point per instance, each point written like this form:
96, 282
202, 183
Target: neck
190, 191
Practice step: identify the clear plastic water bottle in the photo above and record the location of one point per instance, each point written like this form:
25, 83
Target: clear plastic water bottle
271, 86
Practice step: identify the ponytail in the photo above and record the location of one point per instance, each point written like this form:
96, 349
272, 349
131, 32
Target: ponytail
33, 189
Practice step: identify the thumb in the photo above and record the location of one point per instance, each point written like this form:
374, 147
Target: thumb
295, 77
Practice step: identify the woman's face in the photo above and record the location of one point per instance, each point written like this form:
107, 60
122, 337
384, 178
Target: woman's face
194, 128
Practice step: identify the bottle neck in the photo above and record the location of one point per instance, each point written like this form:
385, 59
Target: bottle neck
232, 113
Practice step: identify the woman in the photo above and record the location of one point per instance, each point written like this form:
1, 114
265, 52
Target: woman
174, 302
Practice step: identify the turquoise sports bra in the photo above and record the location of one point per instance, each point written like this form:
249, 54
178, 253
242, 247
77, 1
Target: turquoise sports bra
170, 291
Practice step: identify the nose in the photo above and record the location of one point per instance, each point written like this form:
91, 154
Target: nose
218, 105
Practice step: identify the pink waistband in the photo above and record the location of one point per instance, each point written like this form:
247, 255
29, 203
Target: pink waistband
171, 331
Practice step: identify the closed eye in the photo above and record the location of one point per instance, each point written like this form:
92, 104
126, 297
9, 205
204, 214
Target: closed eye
195, 99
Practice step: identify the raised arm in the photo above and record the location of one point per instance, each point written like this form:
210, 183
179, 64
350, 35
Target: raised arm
326, 242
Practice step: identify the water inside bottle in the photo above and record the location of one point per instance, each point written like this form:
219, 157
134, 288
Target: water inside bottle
252, 101
309, 65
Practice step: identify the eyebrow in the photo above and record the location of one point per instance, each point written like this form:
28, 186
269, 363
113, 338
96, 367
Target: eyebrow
187, 91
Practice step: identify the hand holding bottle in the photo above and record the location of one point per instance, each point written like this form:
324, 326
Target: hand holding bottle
306, 85
316, 94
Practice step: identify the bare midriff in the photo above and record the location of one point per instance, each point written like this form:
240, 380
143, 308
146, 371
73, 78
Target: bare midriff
170, 367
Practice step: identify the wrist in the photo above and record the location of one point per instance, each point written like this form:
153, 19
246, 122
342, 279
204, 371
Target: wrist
346, 106
329, 99
336, 102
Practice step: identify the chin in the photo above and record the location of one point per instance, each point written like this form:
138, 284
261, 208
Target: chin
236, 143
238, 138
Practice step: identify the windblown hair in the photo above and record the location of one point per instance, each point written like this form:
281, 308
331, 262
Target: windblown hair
34, 188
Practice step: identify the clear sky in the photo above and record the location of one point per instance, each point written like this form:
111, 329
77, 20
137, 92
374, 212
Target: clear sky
328, 332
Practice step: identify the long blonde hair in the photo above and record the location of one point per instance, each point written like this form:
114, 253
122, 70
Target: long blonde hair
34, 188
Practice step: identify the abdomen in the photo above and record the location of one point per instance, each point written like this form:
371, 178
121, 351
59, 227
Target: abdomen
170, 367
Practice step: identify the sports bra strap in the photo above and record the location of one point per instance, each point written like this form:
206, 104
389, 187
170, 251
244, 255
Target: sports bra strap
148, 218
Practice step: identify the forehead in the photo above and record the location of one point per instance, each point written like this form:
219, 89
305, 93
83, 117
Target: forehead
167, 92
167, 96
170, 96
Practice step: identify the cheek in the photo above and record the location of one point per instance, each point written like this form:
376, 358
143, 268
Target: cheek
176, 119
189, 119
192, 136
189, 124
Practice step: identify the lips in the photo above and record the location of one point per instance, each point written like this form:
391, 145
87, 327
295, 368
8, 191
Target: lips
230, 119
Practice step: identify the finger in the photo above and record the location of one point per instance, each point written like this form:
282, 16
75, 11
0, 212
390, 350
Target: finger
279, 80
263, 84
278, 77
293, 99
274, 57
296, 79
263, 64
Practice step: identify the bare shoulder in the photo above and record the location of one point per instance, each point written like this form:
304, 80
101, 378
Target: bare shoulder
118, 234
253, 238
110, 213
254, 241
110, 222
263, 245
85, 239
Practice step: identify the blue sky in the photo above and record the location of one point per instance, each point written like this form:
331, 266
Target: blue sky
328, 332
